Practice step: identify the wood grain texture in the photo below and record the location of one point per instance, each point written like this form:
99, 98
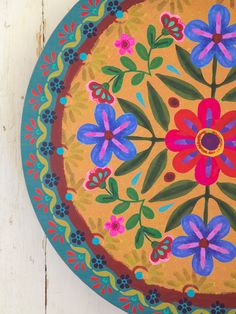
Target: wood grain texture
33, 277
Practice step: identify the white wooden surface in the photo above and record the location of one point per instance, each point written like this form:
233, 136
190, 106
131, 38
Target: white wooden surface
25, 286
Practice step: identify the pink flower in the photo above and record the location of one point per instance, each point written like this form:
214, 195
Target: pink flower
115, 226
125, 44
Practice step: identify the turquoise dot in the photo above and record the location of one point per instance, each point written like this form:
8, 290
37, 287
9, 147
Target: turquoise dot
37, 132
96, 241
139, 275
69, 197
63, 101
83, 56
60, 151
39, 166
54, 66
119, 14
191, 293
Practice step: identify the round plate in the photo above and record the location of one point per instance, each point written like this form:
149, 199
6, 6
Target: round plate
129, 151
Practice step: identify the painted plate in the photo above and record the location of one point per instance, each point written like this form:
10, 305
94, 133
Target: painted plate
129, 151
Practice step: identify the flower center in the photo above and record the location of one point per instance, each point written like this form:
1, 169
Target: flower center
115, 226
125, 44
217, 38
109, 135
203, 243
210, 142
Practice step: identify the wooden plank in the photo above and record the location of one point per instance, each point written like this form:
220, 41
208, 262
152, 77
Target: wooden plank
21, 239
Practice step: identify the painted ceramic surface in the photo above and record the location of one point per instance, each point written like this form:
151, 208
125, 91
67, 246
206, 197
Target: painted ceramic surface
129, 151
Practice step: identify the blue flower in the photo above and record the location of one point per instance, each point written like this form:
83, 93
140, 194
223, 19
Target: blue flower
204, 242
109, 135
216, 39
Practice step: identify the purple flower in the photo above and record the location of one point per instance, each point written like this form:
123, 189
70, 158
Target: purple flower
109, 135
204, 242
216, 39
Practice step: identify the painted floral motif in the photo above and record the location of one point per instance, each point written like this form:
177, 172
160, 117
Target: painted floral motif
206, 142
125, 44
172, 26
100, 93
161, 251
109, 136
204, 243
115, 226
216, 39
97, 178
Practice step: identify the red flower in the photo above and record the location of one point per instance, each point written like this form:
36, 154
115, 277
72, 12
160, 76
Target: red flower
50, 64
97, 178
161, 251
172, 26
31, 163
31, 128
56, 231
206, 142
90, 8
100, 93
68, 34
37, 97
101, 284
74, 259
40, 198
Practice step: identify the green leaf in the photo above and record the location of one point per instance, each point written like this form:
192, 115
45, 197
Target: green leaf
164, 43
132, 194
132, 222
113, 186
153, 233
128, 63
139, 239
117, 84
133, 164
181, 211
142, 51
230, 96
151, 35
129, 107
175, 190
228, 189
155, 170
105, 198
188, 66
147, 212
231, 76
180, 87
156, 63
137, 78
228, 211
121, 208
159, 108
109, 70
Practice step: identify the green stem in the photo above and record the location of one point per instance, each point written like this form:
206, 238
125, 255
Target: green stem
143, 138
149, 55
128, 71
214, 85
140, 210
206, 209
148, 72
140, 221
